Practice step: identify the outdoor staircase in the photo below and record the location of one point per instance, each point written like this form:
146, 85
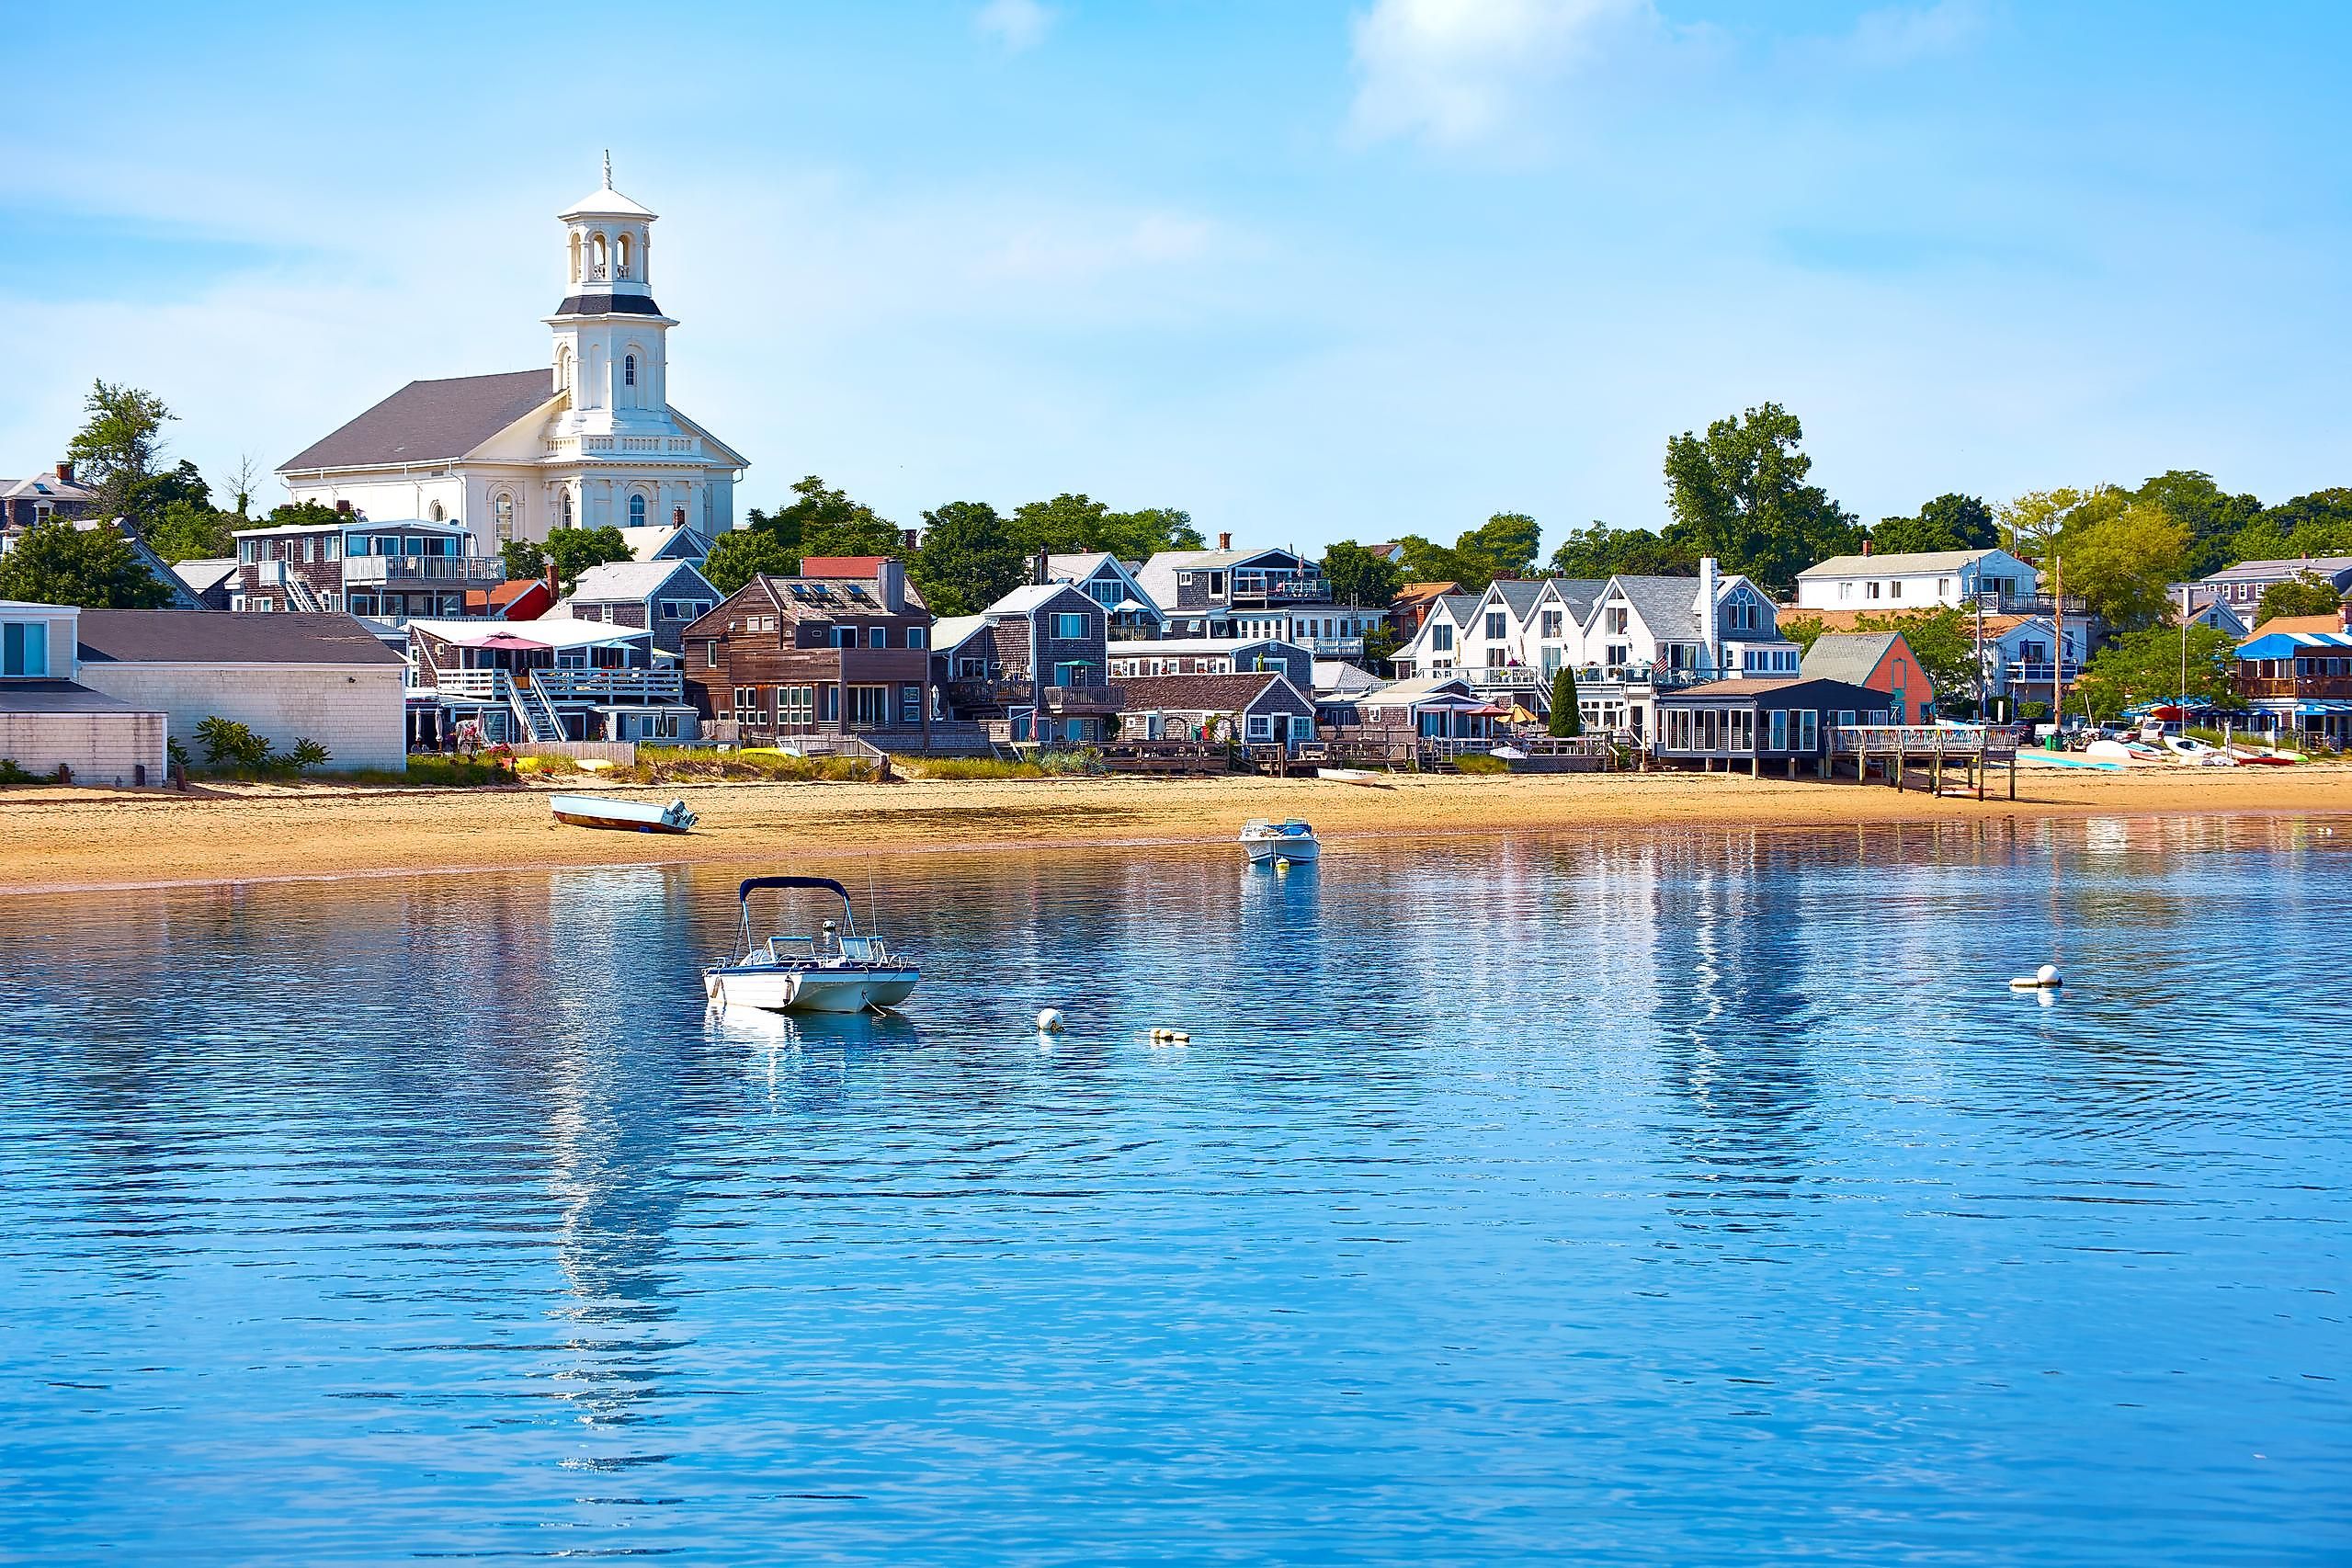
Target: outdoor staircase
536, 711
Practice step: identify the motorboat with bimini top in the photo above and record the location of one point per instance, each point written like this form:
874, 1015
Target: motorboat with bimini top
837, 971
1275, 843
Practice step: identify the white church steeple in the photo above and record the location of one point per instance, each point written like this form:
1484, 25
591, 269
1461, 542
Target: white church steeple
611, 343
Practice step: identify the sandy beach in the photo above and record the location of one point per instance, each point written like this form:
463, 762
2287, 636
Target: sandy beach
55, 839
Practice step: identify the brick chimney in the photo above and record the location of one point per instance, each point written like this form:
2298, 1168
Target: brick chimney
65, 474
1224, 541
554, 589
1866, 547
890, 584
343, 507
1037, 570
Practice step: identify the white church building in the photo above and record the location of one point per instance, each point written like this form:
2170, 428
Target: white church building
590, 441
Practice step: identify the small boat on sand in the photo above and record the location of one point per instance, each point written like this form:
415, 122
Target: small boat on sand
624, 817
1266, 842
837, 971
1364, 777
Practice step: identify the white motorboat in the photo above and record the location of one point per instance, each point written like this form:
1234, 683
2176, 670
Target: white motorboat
837, 971
1269, 843
625, 816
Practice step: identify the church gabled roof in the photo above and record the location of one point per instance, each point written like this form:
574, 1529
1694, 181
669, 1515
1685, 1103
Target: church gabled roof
430, 422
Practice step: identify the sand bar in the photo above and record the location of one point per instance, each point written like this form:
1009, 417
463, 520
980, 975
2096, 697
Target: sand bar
54, 840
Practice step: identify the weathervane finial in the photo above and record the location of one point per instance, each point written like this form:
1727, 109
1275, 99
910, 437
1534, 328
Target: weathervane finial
607, 169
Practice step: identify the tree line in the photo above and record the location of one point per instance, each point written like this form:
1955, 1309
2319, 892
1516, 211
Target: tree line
1741, 491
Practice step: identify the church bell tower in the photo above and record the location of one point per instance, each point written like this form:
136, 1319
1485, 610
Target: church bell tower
611, 339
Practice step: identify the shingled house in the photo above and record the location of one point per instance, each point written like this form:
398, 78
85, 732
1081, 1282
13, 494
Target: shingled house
1258, 708
1035, 662
841, 649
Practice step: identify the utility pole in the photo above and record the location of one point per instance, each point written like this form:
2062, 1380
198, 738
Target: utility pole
2184, 659
2058, 643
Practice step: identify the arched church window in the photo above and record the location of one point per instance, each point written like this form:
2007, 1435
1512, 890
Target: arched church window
637, 511
502, 511
597, 259
677, 516
628, 371
624, 255
439, 515
567, 508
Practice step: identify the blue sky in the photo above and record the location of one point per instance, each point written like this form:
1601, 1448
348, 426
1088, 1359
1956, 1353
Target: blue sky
1311, 271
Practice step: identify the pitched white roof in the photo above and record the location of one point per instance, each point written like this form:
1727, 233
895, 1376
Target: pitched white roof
605, 202
630, 580
955, 631
1028, 596
1896, 566
554, 630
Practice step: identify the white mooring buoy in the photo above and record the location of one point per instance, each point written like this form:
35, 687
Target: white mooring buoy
2046, 978
1049, 1021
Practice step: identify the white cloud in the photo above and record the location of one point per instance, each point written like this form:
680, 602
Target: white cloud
1897, 34
1016, 24
1461, 72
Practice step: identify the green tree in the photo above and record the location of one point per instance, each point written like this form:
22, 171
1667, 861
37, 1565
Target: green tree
2121, 556
2213, 517
1950, 521
1505, 545
1567, 718
818, 518
522, 558
120, 438
1739, 493
1357, 576
1136, 536
1601, 552
968, 560
304, 514
2306, 593
191, 533
740, 554
57, 564
2316, 524
2030, 521
2145, 666
573, 551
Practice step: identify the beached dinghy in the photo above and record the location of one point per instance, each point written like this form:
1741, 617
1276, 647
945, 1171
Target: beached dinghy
1267, 842
625, 816
837, 971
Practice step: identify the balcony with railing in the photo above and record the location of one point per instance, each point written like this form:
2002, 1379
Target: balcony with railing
1997, 603
1513, 677
988, 691
1333, 647
1081, 700
1260, 586
399, 571
595, 686
2042, 672
2337, 687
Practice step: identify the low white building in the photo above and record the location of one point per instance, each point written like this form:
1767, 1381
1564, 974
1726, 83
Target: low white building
1919, 579
50, 719
289, 677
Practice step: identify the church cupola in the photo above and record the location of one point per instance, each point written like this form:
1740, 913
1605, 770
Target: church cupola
611, 340
607, 243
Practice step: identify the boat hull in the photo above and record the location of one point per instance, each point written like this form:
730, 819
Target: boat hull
616, 824
776, 990
1263, 851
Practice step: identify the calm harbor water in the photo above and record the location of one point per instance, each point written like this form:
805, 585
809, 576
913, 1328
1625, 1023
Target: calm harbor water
1686, 1199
